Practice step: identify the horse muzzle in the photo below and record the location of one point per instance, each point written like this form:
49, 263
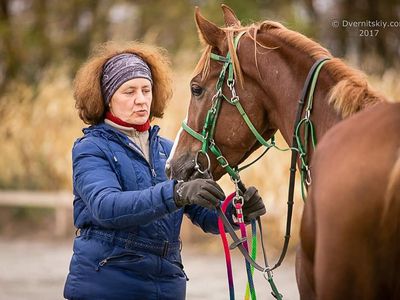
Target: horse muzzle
187, 167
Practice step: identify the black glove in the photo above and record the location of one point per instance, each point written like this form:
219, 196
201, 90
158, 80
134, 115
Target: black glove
253, 206
203, 192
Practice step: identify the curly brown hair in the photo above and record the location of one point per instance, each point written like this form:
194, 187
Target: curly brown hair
87, 90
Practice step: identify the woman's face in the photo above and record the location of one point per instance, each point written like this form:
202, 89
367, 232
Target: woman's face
132, 101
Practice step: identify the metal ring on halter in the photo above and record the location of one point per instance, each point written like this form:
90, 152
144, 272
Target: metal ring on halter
230, 83
196, 164
217, 94
268, 271
308, 177
238, 199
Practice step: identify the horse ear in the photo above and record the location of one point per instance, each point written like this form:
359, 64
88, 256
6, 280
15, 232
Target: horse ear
230, 17
210, 33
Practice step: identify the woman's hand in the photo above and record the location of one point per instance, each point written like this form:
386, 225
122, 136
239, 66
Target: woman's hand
203, 192
253, 206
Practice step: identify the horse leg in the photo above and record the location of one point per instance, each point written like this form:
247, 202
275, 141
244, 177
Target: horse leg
354, 257
346, 239
304, 275
305, 254
344, 263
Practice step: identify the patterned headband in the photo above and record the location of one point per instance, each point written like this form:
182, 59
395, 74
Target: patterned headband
119, 69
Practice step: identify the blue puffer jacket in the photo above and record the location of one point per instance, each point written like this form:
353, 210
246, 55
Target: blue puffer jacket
129, 245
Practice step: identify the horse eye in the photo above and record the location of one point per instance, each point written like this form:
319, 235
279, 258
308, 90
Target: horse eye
196, 90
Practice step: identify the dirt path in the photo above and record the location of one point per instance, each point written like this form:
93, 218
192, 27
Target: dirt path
37, 270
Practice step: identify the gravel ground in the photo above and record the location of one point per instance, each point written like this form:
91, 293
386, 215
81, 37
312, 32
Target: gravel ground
37, 270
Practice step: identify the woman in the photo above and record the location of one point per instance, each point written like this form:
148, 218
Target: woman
127, 211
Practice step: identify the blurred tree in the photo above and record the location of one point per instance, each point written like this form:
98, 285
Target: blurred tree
371, 47
8, 50
36, 34
40, 38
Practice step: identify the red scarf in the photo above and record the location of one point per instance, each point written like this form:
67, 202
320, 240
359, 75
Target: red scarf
140, 128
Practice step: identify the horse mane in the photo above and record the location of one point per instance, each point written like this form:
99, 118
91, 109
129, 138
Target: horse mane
349, 95
203, 66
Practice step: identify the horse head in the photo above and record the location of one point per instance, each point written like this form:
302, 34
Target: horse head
227, 128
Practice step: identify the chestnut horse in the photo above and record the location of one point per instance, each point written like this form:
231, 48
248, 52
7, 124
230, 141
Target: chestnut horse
351, 219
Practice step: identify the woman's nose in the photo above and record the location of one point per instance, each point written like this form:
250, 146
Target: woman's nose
140, 98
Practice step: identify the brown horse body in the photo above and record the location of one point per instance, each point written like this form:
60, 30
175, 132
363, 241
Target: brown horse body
348, 241
350, 222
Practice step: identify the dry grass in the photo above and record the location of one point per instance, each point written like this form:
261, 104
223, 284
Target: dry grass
39, 126
388, 84
37, 131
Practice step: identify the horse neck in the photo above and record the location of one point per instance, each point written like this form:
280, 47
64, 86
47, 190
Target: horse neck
323, 115
283, 78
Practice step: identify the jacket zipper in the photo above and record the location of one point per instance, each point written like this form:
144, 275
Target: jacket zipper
153, 172
111, 258
150, 162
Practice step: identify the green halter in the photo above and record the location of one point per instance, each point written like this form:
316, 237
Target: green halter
207, 135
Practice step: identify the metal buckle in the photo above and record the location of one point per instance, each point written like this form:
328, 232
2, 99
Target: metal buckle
234, 100
222, 161
217, 95
230, 83
308, 177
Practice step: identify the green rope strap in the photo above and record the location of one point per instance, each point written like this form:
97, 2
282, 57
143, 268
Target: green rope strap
308, 131
253, 256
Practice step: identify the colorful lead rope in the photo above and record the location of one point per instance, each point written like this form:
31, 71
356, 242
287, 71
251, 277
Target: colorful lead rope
226, 248
250, 290
253, 255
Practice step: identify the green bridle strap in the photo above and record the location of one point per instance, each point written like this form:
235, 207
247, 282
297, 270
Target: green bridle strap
234, 101
208, 143
233, 173
260, 139
308, 131
207, 134
219, 57
193, 133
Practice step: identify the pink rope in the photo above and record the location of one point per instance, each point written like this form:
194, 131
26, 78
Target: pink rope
226, 247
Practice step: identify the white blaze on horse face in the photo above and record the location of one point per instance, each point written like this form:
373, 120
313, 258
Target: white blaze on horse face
171, 155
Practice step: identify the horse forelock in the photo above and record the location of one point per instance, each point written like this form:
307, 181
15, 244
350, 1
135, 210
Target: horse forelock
203, 65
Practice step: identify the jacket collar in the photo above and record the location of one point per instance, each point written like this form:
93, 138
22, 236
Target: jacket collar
112, 133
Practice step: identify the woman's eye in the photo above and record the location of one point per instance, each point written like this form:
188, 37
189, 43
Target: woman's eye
196, 90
